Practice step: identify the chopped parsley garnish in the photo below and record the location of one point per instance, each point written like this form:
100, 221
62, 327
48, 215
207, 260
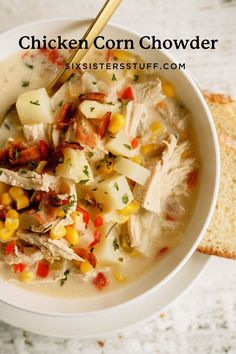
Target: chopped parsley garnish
125, 198
121, 259
61, 103
25, 83
1, 172
94, 82
116, 245
123, 105
68, 162
114, 77
7, 126
83, 181
111, 103
15, 154
36, 103
69, 205
22, 171
66, 273
127, 146
90, 154
30, 66
32, 163
115, 185
86, 172
136, 77
92, 109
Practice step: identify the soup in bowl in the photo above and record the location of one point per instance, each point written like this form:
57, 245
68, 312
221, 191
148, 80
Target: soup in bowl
103, 186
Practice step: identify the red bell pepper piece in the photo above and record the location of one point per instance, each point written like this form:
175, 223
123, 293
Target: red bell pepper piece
44, 149
192, 179
42, 269
19, 268
88, 256
134, 143
100, 281
97, 237
85, 214
10, 247
102, 129
127, 94
98, 221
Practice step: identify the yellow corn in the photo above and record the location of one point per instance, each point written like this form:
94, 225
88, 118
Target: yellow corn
117, 123
130, 209
157, 128
6, 199
5, 234
15, 192
40, 167
58, 232
85, 267
168, 89
119, 277
22, 201
61, 213
148, 148
123, 56
12, 221
106, 168
26, 276
137, 159
72, 236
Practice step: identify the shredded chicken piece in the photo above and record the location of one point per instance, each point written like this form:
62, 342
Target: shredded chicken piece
166, 175
37, 132
22, 258
51, 249
135, 112
149, 92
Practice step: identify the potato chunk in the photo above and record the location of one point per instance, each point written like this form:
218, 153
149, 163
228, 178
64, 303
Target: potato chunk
114, 193
132, 170
34, 107
120, 145
76, 167
96, 110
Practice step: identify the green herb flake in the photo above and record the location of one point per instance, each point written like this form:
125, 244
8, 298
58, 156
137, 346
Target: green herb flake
114, 77
127, 146
123, 105
136, 78
121, 259
116, 245
30, 66
115, 185
86, 172
36, 103
90, 154
83, 181
66, 273
125, 199
111, 103
15, 154
60, 103
92, 109
32, 163
69, 205
94, 82
1, 172
25, 83
22, 171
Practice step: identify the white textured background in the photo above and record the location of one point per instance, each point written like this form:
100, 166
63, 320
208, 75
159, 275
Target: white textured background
204, 320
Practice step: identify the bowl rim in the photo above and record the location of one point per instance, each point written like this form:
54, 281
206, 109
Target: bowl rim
209, 215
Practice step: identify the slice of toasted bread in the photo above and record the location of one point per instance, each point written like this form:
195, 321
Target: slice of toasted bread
220, 238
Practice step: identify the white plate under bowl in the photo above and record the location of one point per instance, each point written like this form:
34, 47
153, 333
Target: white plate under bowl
101, 324
23, 302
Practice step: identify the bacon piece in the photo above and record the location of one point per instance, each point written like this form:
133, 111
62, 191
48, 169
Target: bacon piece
100, 281
192, 179
93, 96
66, 116
72, 145
85, 133
102, 129
88, 256
23, 157
4, 155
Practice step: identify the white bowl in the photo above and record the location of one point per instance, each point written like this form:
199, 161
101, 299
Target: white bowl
209, 181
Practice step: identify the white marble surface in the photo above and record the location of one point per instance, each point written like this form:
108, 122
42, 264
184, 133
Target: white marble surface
203, 321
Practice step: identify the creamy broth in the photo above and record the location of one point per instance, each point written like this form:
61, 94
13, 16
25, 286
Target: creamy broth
144, 149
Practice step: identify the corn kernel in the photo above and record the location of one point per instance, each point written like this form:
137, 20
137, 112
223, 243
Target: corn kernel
168, 89
22, 201
2, 225
85, 267
157, 128
117, 123
119, 277
57, 232
12, 224
106, 168
148, 148
5, 234
61, 213
40, 167
130, 209
26, 276
72, 236
15, 192
6, 199
137, 159
123, 56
